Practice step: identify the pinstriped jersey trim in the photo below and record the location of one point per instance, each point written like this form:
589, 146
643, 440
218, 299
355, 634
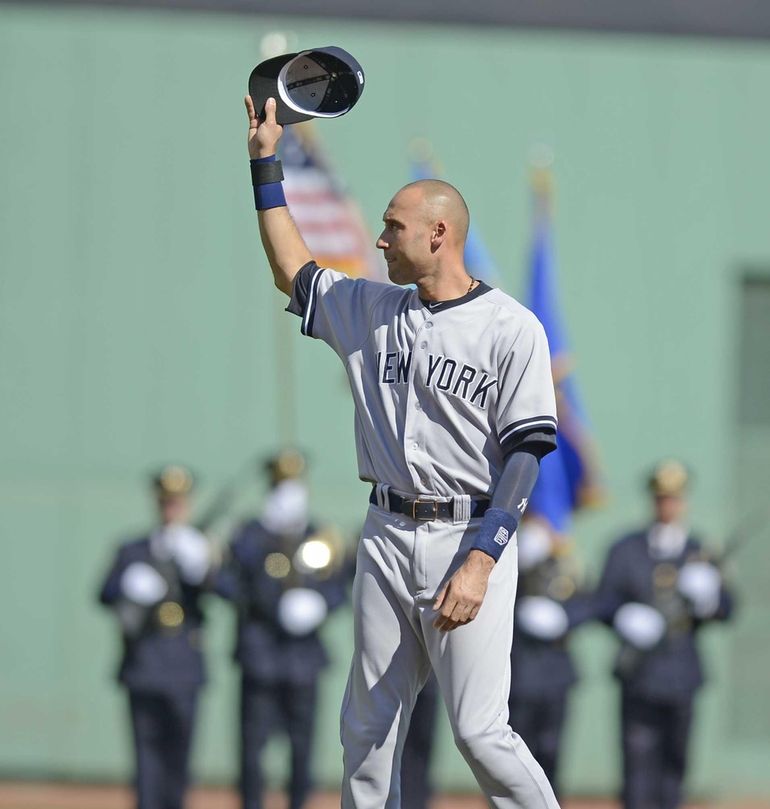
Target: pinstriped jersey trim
542, 422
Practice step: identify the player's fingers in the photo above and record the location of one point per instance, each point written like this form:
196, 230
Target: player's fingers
270, 111
449, 606
459, 614
445, 613
248, 101
467, 613
459, 617
444, 624
474, 612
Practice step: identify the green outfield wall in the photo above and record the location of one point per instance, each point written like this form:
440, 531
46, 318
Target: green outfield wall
138, 325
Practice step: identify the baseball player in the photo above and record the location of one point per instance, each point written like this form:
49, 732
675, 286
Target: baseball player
454, 407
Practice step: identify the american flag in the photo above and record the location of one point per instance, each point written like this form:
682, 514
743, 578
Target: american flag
327, 216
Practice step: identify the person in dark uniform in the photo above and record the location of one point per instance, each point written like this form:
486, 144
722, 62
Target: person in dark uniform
154, 586
284, 577
658, 589
549, 604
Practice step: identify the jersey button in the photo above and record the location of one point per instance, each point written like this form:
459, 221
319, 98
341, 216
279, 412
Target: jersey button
429, 325
417, 406
415, 445
423, 344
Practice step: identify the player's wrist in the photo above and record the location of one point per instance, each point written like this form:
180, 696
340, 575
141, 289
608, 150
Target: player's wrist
266, 176
495, 532
480, 560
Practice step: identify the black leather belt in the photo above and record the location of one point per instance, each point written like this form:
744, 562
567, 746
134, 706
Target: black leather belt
425, 509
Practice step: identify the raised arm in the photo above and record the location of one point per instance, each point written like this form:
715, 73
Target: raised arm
284, 246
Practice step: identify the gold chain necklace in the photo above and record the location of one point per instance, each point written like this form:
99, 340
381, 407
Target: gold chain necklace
473, 281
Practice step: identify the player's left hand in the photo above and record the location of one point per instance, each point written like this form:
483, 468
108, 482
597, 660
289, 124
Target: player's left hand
461, 597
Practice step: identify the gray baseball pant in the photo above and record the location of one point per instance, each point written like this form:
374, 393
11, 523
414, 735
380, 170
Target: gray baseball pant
401, 566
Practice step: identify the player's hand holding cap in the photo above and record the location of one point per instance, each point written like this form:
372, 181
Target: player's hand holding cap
317, 83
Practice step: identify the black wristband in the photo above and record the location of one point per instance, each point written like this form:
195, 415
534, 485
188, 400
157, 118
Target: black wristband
265, 173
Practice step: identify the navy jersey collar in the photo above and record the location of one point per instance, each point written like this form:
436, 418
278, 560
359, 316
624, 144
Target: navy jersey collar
440, 306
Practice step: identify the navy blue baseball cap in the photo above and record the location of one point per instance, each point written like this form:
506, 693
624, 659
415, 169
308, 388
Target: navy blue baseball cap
317, 83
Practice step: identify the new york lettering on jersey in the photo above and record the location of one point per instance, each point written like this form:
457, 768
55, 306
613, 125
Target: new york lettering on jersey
428, 379
468, 383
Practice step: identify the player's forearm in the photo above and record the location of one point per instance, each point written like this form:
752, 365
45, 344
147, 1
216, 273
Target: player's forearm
516, 482
284, 247
509, 501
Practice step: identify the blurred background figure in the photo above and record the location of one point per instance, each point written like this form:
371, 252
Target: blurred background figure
658, 588
416, 786
284, 576
154, 587
549, 605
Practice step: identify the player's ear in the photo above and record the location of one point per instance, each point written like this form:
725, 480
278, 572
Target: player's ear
438, 234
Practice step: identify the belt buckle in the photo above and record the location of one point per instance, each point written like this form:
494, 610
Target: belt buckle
416, 502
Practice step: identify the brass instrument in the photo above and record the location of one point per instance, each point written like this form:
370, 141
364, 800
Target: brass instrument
318, 556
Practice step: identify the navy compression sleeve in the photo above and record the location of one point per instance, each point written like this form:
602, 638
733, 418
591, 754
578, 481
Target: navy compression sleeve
508, 502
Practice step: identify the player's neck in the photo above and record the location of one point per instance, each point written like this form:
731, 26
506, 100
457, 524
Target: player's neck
445, 285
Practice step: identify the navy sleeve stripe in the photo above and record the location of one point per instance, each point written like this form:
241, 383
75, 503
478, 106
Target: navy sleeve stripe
542, 422
312, 297
536, 441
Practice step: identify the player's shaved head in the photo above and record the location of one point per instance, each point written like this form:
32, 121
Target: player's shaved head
423, 238
438, 200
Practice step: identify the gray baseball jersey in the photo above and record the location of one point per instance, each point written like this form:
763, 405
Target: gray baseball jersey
443, 392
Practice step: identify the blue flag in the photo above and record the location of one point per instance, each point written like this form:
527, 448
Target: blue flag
568, 476
477, 258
